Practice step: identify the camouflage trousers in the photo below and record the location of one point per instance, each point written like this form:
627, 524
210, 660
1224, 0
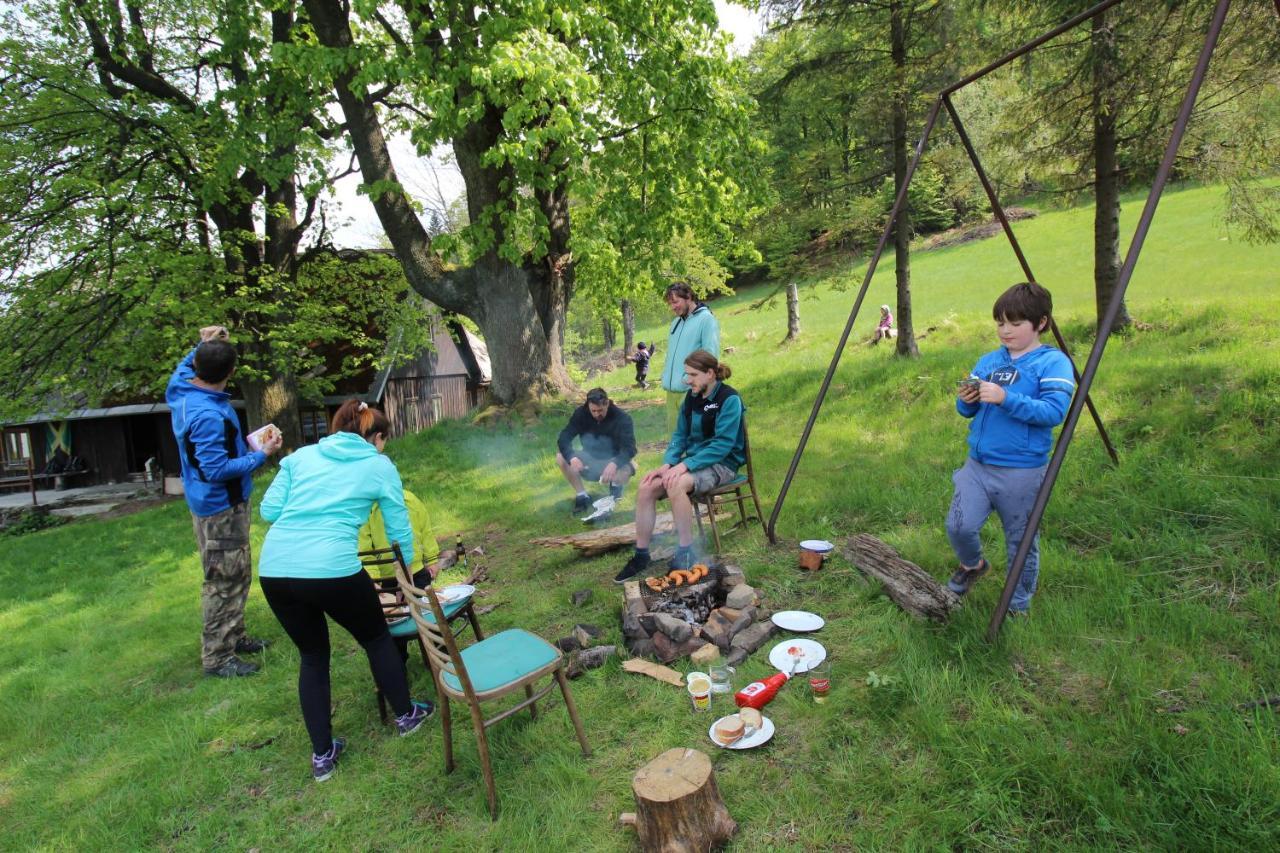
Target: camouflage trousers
223, 540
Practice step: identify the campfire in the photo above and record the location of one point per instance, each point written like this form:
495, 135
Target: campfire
695, 614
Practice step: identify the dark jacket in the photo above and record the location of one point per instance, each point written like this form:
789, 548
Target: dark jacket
614, 438
217, 466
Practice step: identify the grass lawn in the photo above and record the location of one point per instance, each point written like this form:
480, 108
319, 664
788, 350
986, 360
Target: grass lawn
1108, 719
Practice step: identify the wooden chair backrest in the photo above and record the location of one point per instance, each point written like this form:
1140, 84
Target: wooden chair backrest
442, 648
746, 451
371, 560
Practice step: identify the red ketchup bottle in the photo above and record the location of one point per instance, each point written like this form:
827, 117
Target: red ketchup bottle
757, 694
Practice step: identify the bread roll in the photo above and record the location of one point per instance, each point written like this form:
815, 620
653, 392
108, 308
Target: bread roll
752, 718
729, 729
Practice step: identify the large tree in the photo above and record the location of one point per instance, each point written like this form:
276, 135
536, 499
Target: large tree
542, 104
153, 132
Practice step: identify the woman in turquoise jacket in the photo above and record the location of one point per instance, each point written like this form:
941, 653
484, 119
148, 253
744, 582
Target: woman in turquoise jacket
310, 567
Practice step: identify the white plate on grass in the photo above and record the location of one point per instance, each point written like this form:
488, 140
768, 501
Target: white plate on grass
798, 620
456, 592
822, 546
756, 738
809, 653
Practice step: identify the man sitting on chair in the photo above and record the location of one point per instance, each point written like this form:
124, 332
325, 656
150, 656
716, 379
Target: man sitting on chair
705, 452
608, 439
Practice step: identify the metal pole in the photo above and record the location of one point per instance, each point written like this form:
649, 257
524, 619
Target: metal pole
1108, 319
1031, 45
770, 529
31, 479
998, 209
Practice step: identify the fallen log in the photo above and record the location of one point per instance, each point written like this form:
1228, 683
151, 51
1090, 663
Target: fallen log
908, 585
592, 543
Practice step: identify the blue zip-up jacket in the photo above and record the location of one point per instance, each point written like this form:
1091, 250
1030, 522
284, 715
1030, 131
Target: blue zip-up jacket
318, 502
700, 330
217, 466
725, 446
1018, 433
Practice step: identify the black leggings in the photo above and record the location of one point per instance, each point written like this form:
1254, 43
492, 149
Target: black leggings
301, 604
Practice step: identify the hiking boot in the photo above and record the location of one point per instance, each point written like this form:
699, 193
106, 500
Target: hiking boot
637, 564
964, 579
322, 766
232, 668
250, 645
581, 503
412, 721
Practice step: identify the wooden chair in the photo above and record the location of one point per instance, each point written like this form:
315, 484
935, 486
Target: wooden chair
395, 609
509, 661
729, 493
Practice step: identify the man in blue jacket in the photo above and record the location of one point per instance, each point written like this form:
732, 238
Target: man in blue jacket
707, 448
217, 476
694, 328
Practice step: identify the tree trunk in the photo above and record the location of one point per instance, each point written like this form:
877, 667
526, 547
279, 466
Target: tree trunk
902, 227
520, 308
793, 312
628, 327
1106, 187
678, 805
608, 333
274, 401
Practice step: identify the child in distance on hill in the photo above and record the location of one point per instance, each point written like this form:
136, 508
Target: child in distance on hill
641, 358
1013, 397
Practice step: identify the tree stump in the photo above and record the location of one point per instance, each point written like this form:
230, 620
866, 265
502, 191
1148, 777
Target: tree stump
908, 585
678, 806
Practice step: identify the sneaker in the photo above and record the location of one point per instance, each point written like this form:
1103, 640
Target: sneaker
581, 503
412, 721
637, 564
232, 669
250, 645
963, 579
322, 766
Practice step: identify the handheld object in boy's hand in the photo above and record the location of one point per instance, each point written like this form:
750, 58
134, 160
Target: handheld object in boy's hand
969, 382
260, 436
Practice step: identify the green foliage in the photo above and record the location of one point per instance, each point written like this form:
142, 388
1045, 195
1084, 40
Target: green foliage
31, 522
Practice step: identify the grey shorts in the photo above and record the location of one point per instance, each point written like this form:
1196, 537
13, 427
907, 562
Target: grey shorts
706, 479
595, 466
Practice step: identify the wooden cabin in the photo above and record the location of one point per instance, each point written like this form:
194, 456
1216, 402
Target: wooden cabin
448, 381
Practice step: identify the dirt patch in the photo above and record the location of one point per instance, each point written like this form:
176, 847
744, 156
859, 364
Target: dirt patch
969, 233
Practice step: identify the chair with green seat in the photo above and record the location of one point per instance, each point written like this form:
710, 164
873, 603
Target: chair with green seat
508, 662
381, 564
730, 492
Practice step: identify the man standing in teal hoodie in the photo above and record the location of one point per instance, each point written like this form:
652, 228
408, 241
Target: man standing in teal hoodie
217, 477
694, 328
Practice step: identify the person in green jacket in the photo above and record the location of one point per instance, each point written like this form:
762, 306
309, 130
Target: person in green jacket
694, 328
707, 448
310, 569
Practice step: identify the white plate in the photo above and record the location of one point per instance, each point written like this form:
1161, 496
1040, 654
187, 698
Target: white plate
457, 592
756, 738
811, 654
822, 546
798, 620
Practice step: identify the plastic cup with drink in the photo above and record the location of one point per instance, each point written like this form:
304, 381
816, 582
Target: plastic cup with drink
820, 681
699, 684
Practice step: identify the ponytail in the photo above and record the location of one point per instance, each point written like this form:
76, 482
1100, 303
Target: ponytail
360, 418
702, 360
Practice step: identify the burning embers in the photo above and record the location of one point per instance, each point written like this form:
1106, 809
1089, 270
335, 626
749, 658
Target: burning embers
717, 615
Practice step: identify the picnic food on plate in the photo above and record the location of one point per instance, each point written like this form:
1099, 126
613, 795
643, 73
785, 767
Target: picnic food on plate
730, 729
752, 718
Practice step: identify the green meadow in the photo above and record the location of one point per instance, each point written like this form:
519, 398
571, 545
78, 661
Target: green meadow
1110, 718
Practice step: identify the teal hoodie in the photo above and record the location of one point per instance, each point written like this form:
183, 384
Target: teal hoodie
319, 501
700, 330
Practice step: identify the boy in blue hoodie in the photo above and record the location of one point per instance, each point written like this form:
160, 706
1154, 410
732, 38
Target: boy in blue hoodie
1014, 397
217, 476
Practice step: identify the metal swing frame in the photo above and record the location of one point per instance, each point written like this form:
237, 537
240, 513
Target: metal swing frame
1084, 379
